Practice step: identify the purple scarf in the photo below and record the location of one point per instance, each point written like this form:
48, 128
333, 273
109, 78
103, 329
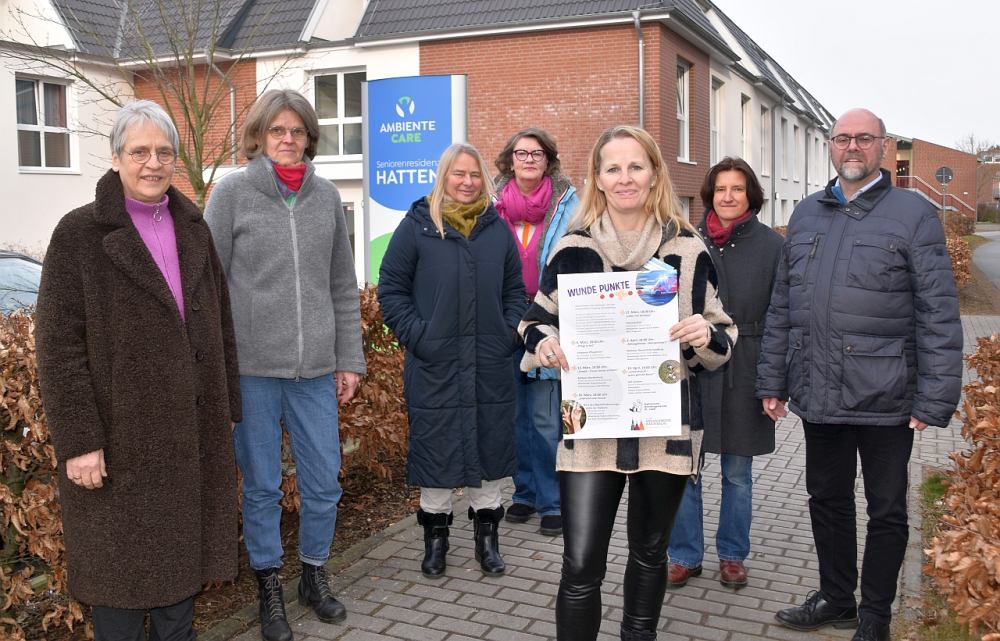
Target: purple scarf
514, 207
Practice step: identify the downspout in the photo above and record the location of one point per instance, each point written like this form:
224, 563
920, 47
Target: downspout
805, 153
642, 68
232, 106
774, 158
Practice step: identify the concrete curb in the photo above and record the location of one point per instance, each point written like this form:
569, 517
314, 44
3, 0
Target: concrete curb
343, 570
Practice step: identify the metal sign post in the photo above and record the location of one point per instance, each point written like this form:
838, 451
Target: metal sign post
944, 176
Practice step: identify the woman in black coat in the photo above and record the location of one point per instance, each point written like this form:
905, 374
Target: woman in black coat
745, 253
450, 288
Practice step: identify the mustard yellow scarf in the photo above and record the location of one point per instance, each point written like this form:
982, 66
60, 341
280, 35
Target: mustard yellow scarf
463, 217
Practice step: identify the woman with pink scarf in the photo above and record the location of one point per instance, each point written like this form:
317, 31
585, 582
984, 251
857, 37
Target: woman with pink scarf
537, 203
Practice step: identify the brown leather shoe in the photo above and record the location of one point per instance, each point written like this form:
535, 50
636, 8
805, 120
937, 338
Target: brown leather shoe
732, 574
678, 575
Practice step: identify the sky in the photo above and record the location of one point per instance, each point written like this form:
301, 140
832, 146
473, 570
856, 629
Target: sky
928, 69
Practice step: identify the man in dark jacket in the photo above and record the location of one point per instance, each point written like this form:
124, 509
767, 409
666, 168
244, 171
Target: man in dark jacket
863, 336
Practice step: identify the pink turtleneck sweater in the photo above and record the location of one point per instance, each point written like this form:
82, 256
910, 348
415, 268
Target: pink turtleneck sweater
156, 228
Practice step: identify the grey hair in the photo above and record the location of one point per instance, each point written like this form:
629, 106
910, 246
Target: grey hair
137, 113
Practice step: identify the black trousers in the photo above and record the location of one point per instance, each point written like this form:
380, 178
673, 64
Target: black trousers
831, 461
170, 623
589, 503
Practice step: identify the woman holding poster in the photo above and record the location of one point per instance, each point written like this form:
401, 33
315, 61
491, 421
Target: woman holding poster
536, 201
450, 288
745, 252
628, 215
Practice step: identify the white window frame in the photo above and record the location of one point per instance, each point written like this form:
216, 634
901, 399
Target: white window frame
683, 111
785, 149
41, 128
716, 120
796, 135
745, 133
765, 140
340, 120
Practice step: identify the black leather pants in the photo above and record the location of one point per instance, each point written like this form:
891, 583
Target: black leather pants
589, 503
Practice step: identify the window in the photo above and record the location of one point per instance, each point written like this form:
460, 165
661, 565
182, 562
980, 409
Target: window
683, 111
338, 105
716, 120
685, 208
745, 127
43, 139
786, 148
765, 141
795, 152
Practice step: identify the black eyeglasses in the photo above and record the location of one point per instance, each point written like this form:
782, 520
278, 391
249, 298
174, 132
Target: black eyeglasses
863, 141
536, 155
278, 132
142, 156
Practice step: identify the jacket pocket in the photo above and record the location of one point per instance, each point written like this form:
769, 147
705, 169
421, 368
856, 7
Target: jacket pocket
794, 367
877, 263
873, 373
802, 249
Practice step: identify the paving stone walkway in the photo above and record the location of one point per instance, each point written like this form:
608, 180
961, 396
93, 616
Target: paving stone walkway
389, 600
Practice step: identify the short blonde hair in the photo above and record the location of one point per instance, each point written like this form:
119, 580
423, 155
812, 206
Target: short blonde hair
266, 109
662, 202
445, 163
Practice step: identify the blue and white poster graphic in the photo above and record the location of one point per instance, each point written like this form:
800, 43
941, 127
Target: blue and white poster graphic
408, 124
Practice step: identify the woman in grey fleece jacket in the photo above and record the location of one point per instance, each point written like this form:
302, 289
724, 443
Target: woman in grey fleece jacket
282, 239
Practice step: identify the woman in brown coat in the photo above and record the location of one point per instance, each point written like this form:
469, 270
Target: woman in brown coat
139, 379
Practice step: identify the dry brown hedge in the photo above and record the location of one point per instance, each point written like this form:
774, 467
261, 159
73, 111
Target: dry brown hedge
32, 556
964, 558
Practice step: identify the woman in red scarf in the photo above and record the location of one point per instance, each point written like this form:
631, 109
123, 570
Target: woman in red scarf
537, 203
745, 252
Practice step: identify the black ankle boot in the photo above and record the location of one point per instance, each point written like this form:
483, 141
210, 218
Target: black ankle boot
273, 622
485, 524
637, 635
314, 592
435, 542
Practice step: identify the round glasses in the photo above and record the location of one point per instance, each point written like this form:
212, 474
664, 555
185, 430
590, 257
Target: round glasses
163, 156
523, 154
278, 132
863, 141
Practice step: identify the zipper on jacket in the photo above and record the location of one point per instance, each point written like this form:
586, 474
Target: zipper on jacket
298, 289
812, 252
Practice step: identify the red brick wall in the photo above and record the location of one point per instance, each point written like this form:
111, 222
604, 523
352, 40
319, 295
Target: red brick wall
889, 160
574, 83
928, 157
244, 79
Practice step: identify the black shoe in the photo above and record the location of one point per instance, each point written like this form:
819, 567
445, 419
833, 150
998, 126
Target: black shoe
637, 635
817, 612
551, 525
484, 527
273, 622
314, 592
871, 630
519, 513
435, 542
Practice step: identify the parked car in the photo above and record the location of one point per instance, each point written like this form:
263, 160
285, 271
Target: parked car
19, 278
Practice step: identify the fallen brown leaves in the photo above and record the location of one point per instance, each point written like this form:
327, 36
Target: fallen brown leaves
32, 555
964, 558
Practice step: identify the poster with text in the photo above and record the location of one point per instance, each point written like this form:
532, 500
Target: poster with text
625, 372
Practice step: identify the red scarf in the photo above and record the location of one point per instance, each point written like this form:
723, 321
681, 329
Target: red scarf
291, 176
719, 234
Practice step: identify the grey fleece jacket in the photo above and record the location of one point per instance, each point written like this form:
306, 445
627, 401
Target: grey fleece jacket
291, 274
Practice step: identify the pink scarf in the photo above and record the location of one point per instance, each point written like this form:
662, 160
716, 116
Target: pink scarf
514, 207
719, 234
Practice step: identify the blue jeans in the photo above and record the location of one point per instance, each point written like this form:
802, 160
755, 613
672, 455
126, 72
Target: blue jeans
732, 539
537, 428
309, 410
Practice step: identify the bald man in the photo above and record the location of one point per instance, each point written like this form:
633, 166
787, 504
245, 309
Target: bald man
863, 338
